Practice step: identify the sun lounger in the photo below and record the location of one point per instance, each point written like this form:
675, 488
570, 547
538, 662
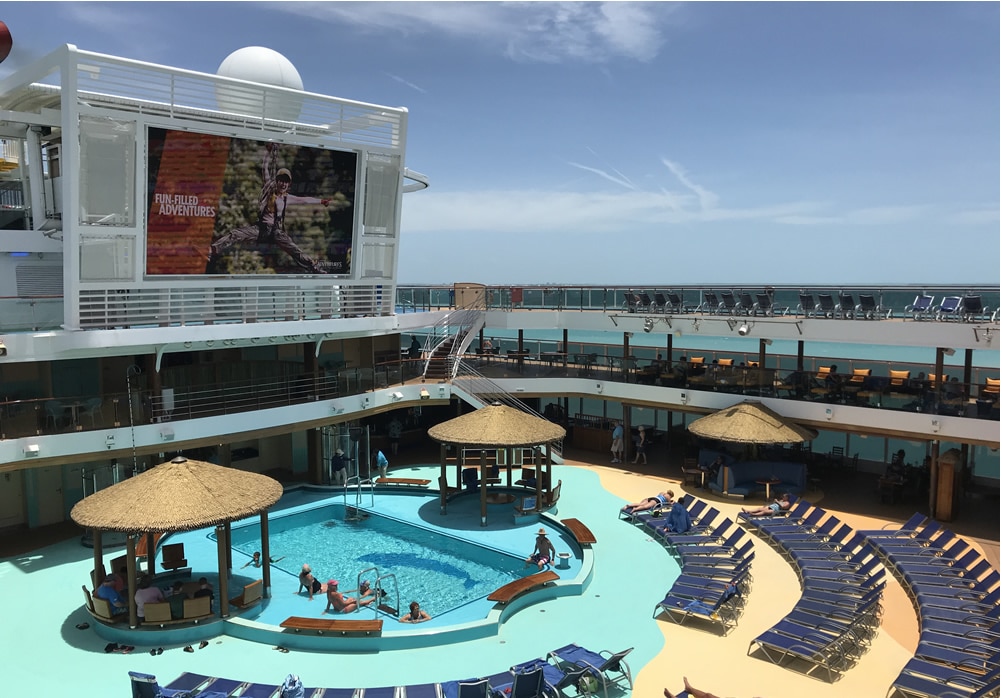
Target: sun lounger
609, 668
523, 685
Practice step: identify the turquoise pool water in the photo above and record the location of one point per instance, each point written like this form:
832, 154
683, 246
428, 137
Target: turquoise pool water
442, 572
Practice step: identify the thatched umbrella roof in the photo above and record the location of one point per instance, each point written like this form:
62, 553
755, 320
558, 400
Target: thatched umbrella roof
750, 423
181, 495
497, 425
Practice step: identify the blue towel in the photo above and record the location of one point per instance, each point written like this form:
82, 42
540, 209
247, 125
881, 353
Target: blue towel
679, 520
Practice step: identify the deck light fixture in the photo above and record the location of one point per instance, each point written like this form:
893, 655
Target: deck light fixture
31, 451
935, 425
3, 349
397, 395
744, 329
949, 352
648, 325
167, 434
425, 395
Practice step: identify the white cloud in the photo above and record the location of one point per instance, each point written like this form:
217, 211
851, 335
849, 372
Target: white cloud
407, 83
548, 32
537, 212
707, 199
619, 178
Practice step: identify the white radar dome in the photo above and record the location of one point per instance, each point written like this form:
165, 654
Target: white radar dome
261, 65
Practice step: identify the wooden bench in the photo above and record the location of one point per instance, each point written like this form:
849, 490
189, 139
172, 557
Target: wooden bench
581, 533
512, 589
416, 482
322, 625
250, 595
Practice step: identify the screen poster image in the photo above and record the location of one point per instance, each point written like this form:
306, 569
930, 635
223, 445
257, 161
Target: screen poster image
222, 205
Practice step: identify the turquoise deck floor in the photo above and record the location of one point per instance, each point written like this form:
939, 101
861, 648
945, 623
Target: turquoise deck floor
42, 604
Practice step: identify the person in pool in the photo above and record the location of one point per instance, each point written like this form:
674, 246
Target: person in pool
311, 583
365, 589
661, 500
341, 603
778, 505
415, 615
256, 560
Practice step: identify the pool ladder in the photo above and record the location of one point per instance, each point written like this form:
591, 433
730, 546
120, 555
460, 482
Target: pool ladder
355, 485
381, 583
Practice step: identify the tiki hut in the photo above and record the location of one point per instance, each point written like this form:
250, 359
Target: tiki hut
750, 423
181, 495
499, 429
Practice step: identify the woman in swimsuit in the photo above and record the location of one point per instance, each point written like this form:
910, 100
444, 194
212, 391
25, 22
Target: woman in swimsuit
661, 500
416, 615
309, 582
778, 505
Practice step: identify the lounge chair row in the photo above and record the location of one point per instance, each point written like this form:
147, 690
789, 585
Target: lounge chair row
841, 305
842, 581
715, 557
955, 591
571, 671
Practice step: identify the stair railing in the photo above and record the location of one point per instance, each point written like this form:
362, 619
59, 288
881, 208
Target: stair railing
487, 391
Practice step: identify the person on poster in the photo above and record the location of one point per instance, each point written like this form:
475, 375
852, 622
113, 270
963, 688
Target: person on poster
270, 227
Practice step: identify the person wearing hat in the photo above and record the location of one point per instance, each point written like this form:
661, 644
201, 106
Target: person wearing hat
270, 227
641, 445
339, 473
544, 552
107, 592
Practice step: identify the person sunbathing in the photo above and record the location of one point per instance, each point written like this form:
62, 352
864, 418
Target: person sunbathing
692, 691
660, 500
778, 505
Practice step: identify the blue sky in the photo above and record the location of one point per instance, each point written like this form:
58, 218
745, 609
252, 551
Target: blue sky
648, 143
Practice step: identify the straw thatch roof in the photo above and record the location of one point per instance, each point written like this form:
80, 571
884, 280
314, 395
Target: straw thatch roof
178, 496
497, 425
750, 423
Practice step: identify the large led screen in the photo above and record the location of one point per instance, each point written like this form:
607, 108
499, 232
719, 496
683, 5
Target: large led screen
221, 205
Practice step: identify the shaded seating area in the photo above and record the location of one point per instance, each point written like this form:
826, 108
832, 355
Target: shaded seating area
501, 430
148, 504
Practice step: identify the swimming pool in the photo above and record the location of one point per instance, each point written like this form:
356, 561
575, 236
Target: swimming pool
442, 572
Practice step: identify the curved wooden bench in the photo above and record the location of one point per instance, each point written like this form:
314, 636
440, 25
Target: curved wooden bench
510, 590
322, 625
582, 534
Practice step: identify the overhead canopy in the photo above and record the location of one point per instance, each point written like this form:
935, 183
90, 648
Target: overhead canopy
181, 495
497, 426
750, 423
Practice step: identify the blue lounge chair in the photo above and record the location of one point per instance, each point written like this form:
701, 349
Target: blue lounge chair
972, 309
710, 303
954, 684
421, 690
818, 650
846, 305
467, 688
807, 307
525, 685
557, 681
203, 685
260, 690
949, 308
380, 692
698, 554
920, 308
826, 306
609, 668
908, 529
146, 686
